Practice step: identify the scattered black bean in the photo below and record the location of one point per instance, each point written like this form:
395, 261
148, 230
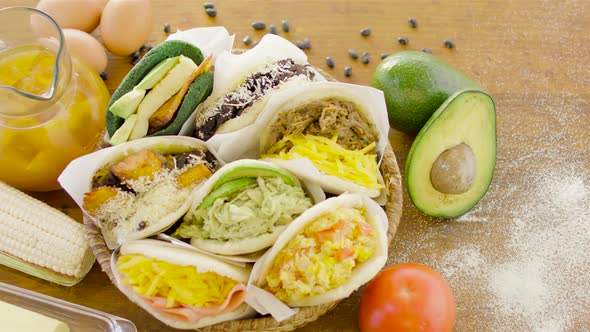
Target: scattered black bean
212, 12
135, 54
403, 40
366, 57
413, 23
259, 25
330, 61
348, 71
365, 32
145, 48
427, 50
272, 29
448, 43
208, 5
307, 43
247, 40
135, 59
104, 75
353, 54
167, 28
384, 55
285, 25
300, 44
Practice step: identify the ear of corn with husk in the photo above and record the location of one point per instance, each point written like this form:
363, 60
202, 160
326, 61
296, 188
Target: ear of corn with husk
40, 240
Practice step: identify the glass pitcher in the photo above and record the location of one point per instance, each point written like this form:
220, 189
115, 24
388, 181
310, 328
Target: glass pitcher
52, 107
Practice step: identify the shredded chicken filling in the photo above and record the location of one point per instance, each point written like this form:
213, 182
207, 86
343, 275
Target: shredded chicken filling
327, 118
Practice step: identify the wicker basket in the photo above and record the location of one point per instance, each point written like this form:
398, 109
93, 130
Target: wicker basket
393, 209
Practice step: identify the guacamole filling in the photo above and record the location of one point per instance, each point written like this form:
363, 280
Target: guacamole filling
253, 210
252, 89
323, 256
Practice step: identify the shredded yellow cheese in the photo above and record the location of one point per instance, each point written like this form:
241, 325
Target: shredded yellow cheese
175, 283
357, 166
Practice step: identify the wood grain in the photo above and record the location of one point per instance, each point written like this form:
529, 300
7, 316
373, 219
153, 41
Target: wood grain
532, 56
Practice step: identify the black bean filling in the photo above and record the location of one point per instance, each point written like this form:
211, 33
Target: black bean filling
257, 84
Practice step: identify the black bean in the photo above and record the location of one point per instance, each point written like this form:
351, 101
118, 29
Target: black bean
247, 40
259, 25
212, 12
167, 28
448, 43
144, 48
427, 50
255, 43
384, 55
307, 43
366, 58
285, 25
272, 29
403, 40
365, 32
412, 22
135, 54
348, 71
135, 59
300, 44
104, 75
330, 61
353, 54
208, 5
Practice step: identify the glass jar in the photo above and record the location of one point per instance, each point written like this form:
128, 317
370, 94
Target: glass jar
52, 107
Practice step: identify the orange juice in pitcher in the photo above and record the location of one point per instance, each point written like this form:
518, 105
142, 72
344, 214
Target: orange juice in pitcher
52, 108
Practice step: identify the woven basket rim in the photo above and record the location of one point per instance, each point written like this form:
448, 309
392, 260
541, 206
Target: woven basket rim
393, 208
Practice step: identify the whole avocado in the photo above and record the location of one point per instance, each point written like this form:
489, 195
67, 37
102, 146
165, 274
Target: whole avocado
415, 84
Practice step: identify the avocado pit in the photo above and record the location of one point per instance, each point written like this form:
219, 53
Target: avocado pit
454, 171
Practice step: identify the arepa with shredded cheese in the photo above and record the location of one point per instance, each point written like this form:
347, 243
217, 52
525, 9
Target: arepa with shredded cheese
332, 132
182, 288
140, 188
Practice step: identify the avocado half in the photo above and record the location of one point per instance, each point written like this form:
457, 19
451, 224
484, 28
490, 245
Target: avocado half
451, 162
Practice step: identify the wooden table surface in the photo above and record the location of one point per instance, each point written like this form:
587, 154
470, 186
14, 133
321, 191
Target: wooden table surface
519, 261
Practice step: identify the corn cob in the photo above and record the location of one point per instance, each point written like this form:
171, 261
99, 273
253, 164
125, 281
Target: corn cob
40, 240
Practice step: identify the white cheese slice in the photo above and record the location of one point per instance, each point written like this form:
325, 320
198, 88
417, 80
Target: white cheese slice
17, 319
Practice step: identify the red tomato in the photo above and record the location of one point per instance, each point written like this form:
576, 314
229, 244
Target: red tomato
407, 297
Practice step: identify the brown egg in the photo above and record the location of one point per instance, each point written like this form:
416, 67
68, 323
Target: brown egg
125, 25
81, 14
86, 48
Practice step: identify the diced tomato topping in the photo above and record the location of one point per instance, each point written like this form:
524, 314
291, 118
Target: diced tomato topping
343, 254
366, 228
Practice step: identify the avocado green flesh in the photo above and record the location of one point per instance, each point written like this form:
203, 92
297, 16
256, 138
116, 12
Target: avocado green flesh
157, 73
469, 117
415, 84
122, 134
253, 171
126, 105
226, 189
